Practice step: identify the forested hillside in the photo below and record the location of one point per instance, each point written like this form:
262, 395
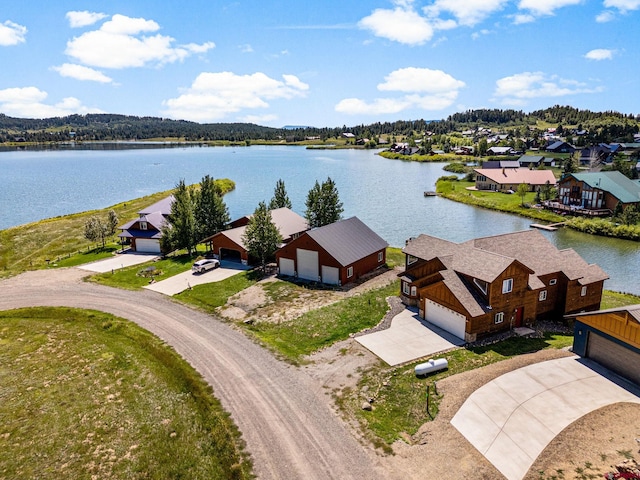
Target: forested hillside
602, 126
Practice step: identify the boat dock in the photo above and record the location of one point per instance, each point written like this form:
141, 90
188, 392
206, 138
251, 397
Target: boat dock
550, 228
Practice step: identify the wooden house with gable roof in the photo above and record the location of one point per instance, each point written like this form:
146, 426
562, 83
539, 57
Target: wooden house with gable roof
492, 284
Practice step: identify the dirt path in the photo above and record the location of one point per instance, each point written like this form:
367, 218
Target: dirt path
289, 429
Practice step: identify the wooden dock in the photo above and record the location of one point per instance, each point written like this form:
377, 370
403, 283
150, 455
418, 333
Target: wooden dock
550, 228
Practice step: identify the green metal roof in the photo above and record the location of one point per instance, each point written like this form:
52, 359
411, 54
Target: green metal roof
614, 182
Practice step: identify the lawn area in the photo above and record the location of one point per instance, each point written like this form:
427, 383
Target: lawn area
88, 395
210, 296
612, 299
91, 255
322, 327
137, 276
400, 396
510, 203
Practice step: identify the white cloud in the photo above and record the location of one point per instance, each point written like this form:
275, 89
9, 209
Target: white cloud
11, 33
521, 18
545, 7
414, 80
605, 16
246, 48
622, 5
423, 88
519, 88
468, 12
213, 96
84, 18
600, 54
80, 72
120, 43
28, 102
402, 24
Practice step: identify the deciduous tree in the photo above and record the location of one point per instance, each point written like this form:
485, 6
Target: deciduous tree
280, 198
211, 213
323, 204
98, 230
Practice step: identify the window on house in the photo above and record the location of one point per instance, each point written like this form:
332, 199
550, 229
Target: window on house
414, 291
583, 291
405, 288
481, 284
507, 285
143, 225
553, 281
543, 296
349, 272
380, 257
411, 259
499, 318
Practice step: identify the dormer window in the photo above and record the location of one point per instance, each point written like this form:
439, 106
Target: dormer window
507, 285
143, 225
411, 259
481, 284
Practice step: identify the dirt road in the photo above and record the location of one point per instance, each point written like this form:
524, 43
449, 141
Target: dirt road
289, 429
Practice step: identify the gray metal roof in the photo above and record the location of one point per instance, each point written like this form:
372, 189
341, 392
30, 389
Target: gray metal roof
163, 206
348, 240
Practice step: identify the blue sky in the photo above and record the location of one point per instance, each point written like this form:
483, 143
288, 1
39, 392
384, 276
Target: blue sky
328, 63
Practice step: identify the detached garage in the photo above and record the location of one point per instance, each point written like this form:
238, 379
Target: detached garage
610, 338
335, 254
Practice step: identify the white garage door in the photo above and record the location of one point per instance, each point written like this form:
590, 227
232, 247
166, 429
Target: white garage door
287, 267
330, 275
148, 246
445, 318
307, 264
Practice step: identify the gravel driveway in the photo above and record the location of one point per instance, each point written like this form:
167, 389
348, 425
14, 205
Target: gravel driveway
286, 422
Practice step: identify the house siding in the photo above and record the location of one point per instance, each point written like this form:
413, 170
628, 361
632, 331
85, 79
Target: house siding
360, 267
576, 302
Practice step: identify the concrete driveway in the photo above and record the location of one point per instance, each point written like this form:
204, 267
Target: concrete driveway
407, 339
118, 261
511, 419
182, 281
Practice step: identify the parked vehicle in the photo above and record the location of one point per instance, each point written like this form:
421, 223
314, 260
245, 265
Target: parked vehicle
202, 266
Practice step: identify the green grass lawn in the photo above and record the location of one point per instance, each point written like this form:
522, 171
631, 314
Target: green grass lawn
320, 328
88, 395
137, 276
90, 255
210, 296
612, 299
510, 203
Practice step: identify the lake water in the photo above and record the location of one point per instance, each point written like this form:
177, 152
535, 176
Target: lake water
385, 194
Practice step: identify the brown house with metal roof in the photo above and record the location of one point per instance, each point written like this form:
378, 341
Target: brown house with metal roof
335, 254
229, 244
492, 284
610, 337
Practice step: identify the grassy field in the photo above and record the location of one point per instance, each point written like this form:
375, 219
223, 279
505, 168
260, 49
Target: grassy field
400, 397
56, 240
495, 200
323, 327
88, 395
210, 296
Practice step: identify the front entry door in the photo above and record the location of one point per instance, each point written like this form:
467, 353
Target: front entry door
519, 316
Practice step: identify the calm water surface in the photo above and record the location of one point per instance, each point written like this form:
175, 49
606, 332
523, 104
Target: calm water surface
385, 194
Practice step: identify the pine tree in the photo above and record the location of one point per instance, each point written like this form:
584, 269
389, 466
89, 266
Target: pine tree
180, 231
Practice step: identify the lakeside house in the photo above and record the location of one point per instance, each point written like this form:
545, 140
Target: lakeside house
508, 179
493, 284
143, 234
593, 192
